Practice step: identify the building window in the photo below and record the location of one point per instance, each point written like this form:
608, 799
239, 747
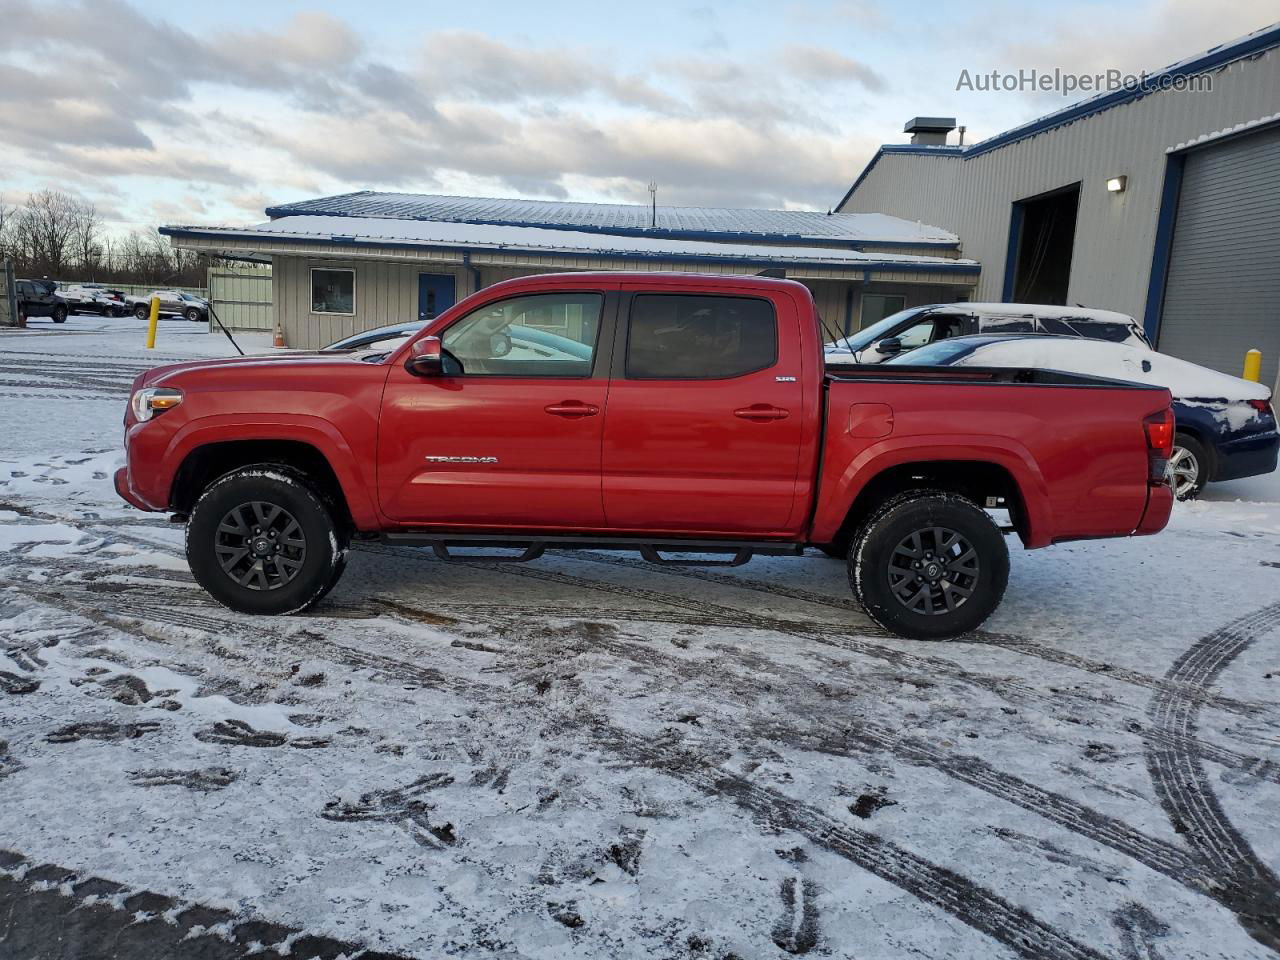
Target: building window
333, 291
674, 337
877, 306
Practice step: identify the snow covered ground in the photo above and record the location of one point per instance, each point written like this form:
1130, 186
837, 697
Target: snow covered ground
590, 757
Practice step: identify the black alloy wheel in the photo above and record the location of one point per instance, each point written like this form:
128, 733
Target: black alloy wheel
260, 546
933, 571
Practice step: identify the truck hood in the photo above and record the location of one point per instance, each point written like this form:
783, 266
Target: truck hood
173, 371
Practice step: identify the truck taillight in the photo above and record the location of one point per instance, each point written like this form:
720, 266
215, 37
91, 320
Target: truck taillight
1159, 427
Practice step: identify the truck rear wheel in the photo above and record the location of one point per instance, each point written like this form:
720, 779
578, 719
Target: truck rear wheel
929, 565
261, 541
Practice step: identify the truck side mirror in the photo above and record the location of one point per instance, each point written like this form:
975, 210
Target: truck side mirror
426, 357
889, 346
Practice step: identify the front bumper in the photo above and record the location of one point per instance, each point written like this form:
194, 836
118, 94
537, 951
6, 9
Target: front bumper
127, 493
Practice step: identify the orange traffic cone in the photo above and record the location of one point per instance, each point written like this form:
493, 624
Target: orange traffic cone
279, 338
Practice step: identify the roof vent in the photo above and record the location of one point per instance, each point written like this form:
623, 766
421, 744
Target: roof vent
930, 131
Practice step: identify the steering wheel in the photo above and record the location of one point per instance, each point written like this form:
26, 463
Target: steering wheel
499, 345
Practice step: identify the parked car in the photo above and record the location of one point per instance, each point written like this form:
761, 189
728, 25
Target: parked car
721, 435
909, 329
93, 298
39, 298
524, 341
173, 303
1225, 426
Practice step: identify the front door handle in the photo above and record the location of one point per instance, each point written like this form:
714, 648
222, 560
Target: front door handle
761, 413
572, 409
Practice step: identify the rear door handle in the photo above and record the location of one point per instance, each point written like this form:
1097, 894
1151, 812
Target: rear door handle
572, 409
761, 413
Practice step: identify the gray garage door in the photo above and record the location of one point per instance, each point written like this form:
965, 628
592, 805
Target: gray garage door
1223, 291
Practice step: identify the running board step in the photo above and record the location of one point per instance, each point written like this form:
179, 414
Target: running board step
532, 552
651, 554
445, 546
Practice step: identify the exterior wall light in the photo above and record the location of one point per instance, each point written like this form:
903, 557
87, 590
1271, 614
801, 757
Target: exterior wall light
1117, 184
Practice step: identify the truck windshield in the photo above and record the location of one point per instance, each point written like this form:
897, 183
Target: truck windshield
879, 330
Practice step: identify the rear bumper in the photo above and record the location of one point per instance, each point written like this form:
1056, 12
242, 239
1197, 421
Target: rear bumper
1248, 456
127, 493
1159, 507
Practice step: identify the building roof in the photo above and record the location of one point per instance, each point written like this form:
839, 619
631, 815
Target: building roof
351, 231
630, 219
1250, 45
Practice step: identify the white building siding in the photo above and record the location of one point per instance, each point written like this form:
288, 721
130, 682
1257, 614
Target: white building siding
385, 292
1115, 233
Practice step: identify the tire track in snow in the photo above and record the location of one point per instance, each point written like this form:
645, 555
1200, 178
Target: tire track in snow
1011, 642
1183, 786
1020, 931
56, 913
1038, 804
930, 666
964, 899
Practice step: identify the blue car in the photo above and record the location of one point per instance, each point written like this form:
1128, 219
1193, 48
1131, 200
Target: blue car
1226, 427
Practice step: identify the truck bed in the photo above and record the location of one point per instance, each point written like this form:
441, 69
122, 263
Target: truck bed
1072, 445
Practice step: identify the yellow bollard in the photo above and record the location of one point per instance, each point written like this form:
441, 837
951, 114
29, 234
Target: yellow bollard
1253, 365
151, 326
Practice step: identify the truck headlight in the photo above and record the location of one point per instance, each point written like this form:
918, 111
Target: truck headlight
149, 401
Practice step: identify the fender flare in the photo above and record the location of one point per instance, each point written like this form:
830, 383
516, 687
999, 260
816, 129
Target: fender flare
302, 428
892, 452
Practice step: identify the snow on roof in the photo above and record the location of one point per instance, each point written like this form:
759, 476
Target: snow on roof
628, 218
379, 231
1225, 132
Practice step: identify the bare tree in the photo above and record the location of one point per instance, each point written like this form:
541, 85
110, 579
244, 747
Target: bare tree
46, 225
61, 236
7, 213
85, 228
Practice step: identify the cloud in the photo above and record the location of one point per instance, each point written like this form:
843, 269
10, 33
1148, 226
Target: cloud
1147, 37
307, 105
820, 66
162, 162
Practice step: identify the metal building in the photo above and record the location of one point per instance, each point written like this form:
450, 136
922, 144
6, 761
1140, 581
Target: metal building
1161, 200
353, 262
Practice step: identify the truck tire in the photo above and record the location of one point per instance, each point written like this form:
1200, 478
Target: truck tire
193, 315
929, 565
141, 312
1191, 465
260, 540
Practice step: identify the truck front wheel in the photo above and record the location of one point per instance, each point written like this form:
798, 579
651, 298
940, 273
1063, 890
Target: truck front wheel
261, 541
929, 565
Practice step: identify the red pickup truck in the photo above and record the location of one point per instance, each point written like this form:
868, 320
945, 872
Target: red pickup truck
688, 417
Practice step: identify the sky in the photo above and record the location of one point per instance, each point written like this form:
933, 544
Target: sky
205, 114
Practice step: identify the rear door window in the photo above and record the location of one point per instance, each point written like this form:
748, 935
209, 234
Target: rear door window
684, 337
